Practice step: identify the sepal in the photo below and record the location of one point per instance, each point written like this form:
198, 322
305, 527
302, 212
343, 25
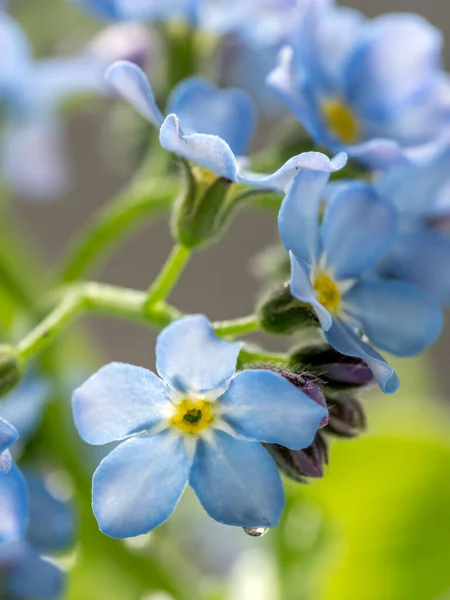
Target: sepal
281, 313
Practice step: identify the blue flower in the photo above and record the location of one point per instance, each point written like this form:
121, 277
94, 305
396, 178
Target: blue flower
374, 88
421, 254
129, 10
199, 423
204, 115
13, 494
24, 405
24, 573
331, 264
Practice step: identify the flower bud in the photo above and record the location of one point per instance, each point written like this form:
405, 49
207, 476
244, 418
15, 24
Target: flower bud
201, 211
281, 313
300, 464
334, 369
10, 369
346, 416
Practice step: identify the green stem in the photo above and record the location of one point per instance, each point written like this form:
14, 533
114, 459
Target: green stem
132, 208
169, 275
247, 356
237, 327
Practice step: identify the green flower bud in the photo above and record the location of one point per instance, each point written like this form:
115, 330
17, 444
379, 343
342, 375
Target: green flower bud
203, 208
10, 369
281, 313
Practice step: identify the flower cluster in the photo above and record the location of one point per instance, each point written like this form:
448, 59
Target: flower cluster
364, 268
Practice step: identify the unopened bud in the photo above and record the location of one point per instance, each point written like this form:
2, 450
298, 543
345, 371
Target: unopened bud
10, 369
300, 464
281, 313
333, 368
346, 416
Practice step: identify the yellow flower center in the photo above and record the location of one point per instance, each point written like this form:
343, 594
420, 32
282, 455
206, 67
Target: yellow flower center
193, 416
341, 121
327, 292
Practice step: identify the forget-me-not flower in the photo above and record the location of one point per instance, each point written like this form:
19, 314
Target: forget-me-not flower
139, 10
23, 406
421, 195
24, 573
13, 493
210, 127
374, 88
330, 266
200, 423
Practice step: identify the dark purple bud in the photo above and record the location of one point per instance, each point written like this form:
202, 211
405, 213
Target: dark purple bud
333, 368
300, 464
346, 416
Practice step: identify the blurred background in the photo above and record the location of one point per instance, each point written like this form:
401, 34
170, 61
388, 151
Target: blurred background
377, 526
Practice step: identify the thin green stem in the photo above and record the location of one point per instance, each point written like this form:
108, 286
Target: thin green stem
237, 327
248, 356
169, 275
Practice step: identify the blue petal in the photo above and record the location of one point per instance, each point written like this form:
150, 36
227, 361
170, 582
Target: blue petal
395, 316
37, 142
379, 153
191, 358
422, 257
105, 9
298, 219
34, 577
202, 108
52, 521
130, 82
208, 151
396, 59
265, 407
301, 288
8, 435
13, 505
119, 400
15, 52
357, 231
5, 462
282, 179
23, 407
346, 341
137, 487
237, 482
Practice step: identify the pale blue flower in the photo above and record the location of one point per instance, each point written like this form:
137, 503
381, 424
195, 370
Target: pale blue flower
204, 114
24, 573
23, 406
200, 422
374, 88
13, 494
139, 10
332, 264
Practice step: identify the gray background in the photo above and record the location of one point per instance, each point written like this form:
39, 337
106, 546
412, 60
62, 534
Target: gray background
217, 281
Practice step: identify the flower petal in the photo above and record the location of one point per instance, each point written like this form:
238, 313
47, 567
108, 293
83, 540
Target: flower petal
208, 151
16, 50
346, 341
119, 400
282, 179
395, 316
191, 358
34, 577
396, 59
5, 462
138, 485
52, 522
130, 82
302, 289
298, 219
204, 108
8, 435
13, 505
24, 405
357, 231
266, 407
237, 482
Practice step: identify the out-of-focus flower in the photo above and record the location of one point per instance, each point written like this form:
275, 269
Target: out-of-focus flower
139, 10
201, 423
421, 195
13, 493
24, 405
374, 88
123, 41
32, 146
204, 115
331, 263
24, 573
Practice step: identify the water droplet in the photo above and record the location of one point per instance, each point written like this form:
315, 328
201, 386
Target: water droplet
256, 531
